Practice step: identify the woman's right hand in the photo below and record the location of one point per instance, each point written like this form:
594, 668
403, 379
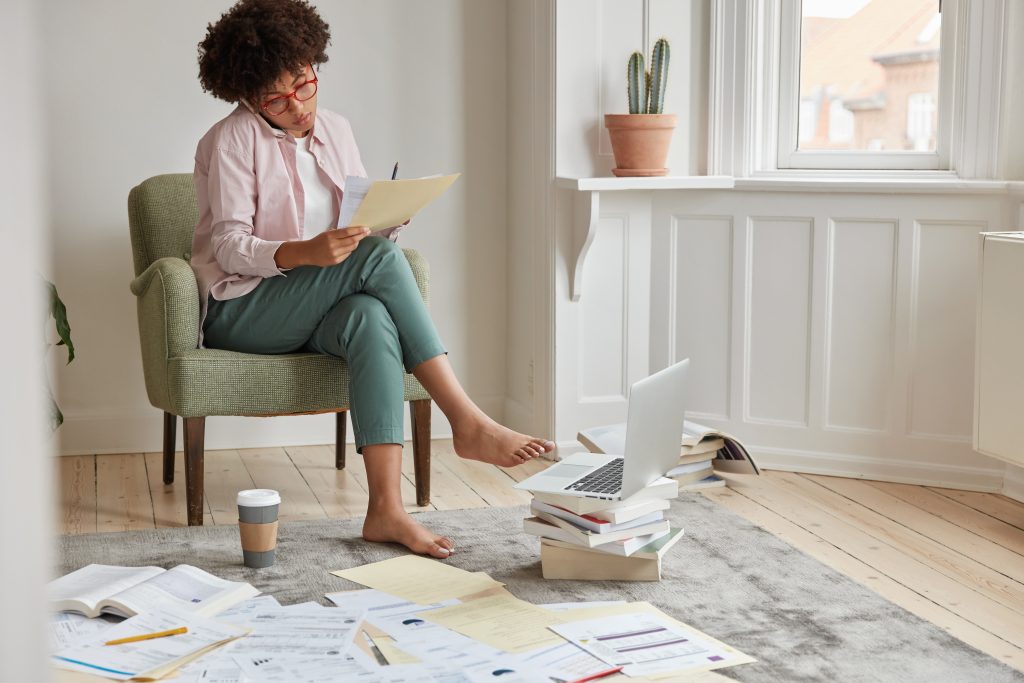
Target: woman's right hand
329, 248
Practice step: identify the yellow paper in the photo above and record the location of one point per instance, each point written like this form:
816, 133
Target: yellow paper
392, 202
418, 579
501, 621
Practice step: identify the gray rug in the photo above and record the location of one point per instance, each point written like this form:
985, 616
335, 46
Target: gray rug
801, 620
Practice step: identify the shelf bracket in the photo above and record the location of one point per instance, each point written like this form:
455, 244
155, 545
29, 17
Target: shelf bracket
586, 212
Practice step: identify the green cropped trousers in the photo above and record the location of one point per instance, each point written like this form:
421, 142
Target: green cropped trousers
367, 310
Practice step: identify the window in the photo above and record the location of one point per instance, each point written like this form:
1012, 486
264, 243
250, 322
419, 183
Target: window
875, 65
766, 120
921, 120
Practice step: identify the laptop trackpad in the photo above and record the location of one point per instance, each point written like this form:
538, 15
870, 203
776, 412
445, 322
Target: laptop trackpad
569, 472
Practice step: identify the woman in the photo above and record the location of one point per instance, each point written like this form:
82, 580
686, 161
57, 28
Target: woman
275, 277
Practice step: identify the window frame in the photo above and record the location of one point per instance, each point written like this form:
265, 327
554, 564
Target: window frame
744, 93
790, 157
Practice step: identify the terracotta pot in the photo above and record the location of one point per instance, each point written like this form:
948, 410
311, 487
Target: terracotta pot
640, 142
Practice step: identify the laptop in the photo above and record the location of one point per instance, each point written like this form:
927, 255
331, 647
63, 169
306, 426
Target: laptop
654, 429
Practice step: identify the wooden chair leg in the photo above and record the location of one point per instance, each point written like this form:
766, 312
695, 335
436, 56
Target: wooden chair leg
170, 434
339, 440
195, 432
419, 413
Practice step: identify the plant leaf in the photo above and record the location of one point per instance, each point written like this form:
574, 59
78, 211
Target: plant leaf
60, 317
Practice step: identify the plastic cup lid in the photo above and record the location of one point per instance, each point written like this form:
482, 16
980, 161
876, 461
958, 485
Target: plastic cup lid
259, 497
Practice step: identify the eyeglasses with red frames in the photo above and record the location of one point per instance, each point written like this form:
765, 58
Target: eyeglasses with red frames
279, 105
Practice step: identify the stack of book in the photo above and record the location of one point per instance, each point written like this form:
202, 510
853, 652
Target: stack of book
598, 540
703, 450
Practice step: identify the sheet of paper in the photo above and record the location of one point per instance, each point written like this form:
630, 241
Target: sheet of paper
67, 627
564, 661
243, 611
286, 669
355, 191
418, 579
299, 633
439, 644
503, 622
566, 606
648, 644
155, 655
388, 203
506, 670
213, 668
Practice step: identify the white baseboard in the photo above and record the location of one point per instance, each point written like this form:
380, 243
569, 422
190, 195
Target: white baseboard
92, 433
1013, 482
898, 471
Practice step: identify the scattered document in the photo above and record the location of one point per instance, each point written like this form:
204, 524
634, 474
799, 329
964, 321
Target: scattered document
68, 627
381, 204
647, 644
300, 633
502, 621
564, 661
151, 658
418, 579
288, 669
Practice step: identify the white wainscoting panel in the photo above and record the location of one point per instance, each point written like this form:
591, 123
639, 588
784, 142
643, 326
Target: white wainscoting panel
940, 401
603, 346
860, 325
778, 320
699, 304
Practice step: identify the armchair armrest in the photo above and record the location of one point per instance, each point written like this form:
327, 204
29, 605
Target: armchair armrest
168, 303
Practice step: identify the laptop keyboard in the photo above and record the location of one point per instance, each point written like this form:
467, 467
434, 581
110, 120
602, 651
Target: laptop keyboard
605, 479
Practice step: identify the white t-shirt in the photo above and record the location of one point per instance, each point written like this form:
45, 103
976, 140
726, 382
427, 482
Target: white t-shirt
321, 213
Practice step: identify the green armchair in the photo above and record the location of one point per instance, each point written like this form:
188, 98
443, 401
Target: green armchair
195, 383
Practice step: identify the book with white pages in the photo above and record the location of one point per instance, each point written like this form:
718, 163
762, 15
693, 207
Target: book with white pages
592, 523
549, 526
652, 546
624, 514
126, 591
662, 488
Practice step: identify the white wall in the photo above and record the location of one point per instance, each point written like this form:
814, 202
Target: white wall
26, 486
422, 83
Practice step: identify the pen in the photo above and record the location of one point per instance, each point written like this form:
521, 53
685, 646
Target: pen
599, 674
148, 636
394, 173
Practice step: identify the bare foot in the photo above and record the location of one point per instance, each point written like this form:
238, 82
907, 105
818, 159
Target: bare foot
398, 527
487, 441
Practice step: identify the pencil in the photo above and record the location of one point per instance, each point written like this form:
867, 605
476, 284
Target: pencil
394, 173
148, 636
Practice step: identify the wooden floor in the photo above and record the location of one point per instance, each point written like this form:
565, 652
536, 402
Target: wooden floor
954, 558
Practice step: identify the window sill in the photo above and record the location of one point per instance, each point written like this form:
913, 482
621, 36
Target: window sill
613, 183
875, 182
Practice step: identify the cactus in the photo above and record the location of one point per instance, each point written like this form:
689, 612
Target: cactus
658, 76
635, 75
647, 102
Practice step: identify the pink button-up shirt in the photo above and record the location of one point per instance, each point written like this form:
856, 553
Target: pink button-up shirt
251, 200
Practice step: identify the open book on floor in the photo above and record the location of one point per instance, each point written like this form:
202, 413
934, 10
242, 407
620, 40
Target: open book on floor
731, 456
126, 591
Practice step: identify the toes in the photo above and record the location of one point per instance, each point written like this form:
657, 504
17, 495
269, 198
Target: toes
439, 551
542, 445
446, 543
531, 450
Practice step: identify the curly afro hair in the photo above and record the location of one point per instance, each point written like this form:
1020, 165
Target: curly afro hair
254, 42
